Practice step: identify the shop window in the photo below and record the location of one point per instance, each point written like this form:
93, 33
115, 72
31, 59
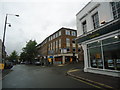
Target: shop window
105, 52
96, 57
111, 40
98, 43
112, 56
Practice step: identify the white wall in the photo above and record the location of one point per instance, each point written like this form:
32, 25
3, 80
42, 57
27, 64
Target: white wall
104, 11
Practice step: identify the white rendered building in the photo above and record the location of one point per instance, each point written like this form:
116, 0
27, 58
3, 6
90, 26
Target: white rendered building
98, 28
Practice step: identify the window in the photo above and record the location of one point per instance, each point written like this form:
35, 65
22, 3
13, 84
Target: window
59, 43
111, 50
84, 25
67, 32
73, 45
95, 20
51, 37
105, 54
79, 49
51, 46
68, 49
56, 34
56, 44
116, 9
95, 55
59, 33
67, 42
73, 33
74, 50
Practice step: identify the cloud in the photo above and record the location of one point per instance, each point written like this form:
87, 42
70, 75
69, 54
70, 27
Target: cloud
37, 20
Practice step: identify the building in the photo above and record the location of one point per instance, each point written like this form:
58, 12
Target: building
60, 46
98, 28
0, 50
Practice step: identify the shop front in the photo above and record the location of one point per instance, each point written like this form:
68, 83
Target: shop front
58, 60
102, 50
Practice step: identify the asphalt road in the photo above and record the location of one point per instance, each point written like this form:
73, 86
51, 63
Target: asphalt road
30, 76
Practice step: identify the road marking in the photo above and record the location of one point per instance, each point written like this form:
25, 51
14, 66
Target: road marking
60, 65
95, 82
89, 80
74, 70
88, 83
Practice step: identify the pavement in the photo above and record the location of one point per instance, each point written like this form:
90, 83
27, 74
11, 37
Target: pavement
5, 72
104, 81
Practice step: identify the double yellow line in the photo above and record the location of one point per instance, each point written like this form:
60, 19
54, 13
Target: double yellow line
87, 81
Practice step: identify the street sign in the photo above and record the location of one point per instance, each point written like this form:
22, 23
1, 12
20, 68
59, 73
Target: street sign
50, 56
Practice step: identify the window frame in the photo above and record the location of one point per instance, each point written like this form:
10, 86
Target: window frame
95, 19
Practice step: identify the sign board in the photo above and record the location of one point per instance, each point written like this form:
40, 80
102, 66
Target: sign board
101, 31
50, 56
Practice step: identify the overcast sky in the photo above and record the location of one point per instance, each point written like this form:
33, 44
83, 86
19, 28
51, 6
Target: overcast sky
38, 19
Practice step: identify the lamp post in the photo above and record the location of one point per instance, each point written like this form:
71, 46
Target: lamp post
5, 32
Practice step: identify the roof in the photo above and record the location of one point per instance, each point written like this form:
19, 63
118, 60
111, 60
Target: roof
84, 7
56, 32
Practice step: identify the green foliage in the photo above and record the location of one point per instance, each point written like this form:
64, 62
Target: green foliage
29, 51
13, 56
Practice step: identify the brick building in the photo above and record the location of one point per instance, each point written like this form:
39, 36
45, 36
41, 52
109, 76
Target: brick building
59, 46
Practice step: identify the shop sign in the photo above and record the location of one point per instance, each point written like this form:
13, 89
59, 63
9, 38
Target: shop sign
102, 31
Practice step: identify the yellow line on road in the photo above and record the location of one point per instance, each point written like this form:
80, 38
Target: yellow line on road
91, 80
74, 70
88, 83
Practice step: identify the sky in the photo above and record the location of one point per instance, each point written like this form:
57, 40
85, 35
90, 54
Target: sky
38, 19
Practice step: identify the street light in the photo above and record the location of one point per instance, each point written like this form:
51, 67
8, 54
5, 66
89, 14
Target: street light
5, 31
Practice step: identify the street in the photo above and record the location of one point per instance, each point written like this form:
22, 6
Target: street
30, 76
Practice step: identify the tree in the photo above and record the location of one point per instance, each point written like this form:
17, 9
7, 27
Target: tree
23, 56
29, 51
13, 57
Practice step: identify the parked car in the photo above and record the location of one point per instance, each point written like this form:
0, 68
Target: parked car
22, 63
8, 65
37, 63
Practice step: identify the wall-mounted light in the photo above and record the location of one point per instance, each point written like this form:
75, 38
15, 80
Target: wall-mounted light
116, 37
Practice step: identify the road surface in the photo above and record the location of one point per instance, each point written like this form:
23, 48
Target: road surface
31, 76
